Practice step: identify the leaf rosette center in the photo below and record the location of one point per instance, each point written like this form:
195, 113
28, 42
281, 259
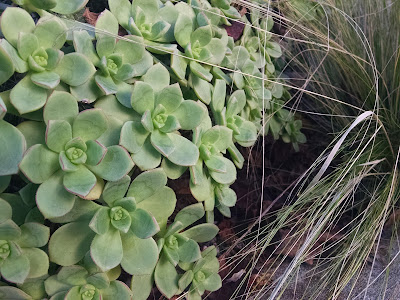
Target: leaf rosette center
4, 250
87, 292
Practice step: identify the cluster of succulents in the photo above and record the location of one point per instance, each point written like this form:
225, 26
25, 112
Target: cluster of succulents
95, 125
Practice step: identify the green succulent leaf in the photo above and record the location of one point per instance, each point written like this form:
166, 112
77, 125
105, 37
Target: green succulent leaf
10, 292
116, 290
51, 32
58, 133
142, 97
166, 277
20, 65
183, 29
147, 157
5, 210
147, 184
46, 80
69, 244
190, 214
143, 224
38, 262
15, 268
33, 235
61, 106
9, 230
7, 66
115, 164
158, 77
13, 148
69, 7
13, 21
189, 251
75, 69
90, 124
52, 198
27, 96
201, 233
140, 255
39, 163
106, 249
79, 182
141, 286
116, 190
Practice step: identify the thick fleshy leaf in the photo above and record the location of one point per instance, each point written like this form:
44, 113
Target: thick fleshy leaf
116, 290
170, 98
189, 251
142, 97
106, 32
158, 77
143, 224
13, 147
51, 32
176, 148
20, 65
132, 52
5, 211
122, 10
75, 69
202, 88
9, 230
198, 70
100, 222
15, 268
106, 84
69, 7
185, 280
81, 211
147, 121
201, 35
190, 214
213, 283
87, 92
115, 164
160, 205
10, 292
95, 152
39, 163
147, 184
201, 233
34, 132
58, 133
66, 164
190, 114
33, 235
52, 198
61, 106
46, 80
21, 22
90, 124
219, 95
7, 67
141, 286
133, 136
226, 196
140, 255
27, 96
179, 64
236, 103
172, 170
38, 262
218, 136
20, 210
116, 190
83, 44
106, 249
183, 29
227, 177
69, 244
79, 182
166, 277
147, 157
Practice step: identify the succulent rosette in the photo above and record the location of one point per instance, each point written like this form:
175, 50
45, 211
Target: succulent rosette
35, 49
71, 162
163, 111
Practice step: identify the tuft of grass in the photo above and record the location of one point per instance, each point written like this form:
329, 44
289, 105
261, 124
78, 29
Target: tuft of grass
344, 59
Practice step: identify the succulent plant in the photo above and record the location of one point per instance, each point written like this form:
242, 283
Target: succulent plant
117, 61
177, 245
201, 275
71, 162
163, 112
57, 6
20, 256
120, 232
86, 282
35, 49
